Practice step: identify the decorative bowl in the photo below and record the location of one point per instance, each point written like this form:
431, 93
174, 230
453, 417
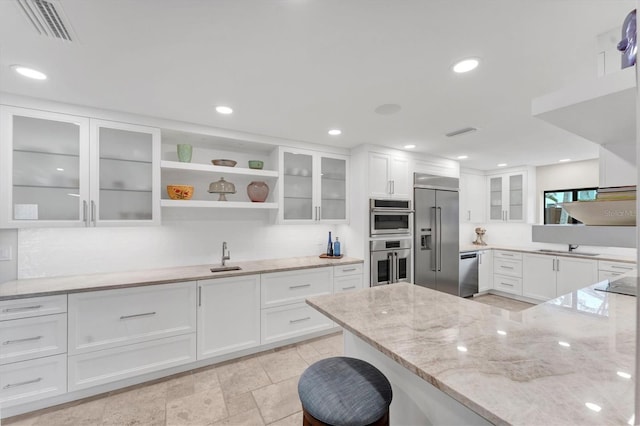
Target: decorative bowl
180, 192
256, 164
223, 162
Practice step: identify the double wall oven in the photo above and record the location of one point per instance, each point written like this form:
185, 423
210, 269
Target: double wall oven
390, 245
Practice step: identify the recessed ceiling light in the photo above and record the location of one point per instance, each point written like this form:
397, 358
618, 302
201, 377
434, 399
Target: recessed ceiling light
462, 348
502, 165
624, 375
410, 146
60, 169
565, 344
564, 160
29, 72
462, 157
466, 65
223, 109
335, 132
502, 332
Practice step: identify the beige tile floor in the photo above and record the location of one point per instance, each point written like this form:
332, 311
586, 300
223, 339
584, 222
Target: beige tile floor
257, 390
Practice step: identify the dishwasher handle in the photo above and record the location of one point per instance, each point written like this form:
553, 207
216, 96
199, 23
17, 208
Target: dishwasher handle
468, 256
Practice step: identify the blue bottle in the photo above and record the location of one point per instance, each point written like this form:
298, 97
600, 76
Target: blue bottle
336, 248
329, 246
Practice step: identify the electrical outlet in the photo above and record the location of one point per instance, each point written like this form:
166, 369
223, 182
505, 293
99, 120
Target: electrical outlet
5, 253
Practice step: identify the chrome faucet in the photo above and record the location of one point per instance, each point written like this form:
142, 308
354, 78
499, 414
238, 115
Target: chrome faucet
572, 247
224, 248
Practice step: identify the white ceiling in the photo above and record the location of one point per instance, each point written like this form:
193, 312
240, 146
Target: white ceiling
296, 68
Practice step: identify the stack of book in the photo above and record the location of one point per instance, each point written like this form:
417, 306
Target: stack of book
616, 193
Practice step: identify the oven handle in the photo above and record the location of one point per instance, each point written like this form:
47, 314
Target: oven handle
396, 266
391, 211
392, 268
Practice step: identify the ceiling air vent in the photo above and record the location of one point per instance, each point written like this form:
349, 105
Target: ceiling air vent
47, 18
461, 131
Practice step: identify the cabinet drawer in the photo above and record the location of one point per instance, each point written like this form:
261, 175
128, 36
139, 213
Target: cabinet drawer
513, 255
347, 283
27, 381
513, 268
32, 307
29, 338
507, 284
622, 267
109, 365
340, 271
283, 322
110, 318
289, 287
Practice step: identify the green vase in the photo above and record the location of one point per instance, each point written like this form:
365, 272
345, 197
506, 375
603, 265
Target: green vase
184, 152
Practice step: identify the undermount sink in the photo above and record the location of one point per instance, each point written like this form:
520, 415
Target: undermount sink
574, 253
225, 268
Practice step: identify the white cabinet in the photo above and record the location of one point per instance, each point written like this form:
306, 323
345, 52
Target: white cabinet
472, 198
507, 271
284, 313
511, 196
485, 270
314, 186
122, 333
65, 170
608, 270
228, 315
33, 346
546, 277
389, 176
347, 278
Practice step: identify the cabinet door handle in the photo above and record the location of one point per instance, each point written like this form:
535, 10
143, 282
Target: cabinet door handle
624, 268
200, 296
553, 265
299, 320
146, 314
23, 308
469, 215
28, 339
319, 212
93, 212
393, 186
349, 288
291, 287
85, 216
28, 382
479, 258
558, 265
348, 269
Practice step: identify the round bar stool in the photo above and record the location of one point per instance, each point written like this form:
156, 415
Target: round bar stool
343, 391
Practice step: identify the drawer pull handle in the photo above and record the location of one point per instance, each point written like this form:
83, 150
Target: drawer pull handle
349, 288
349, 269
28, 382
625, 268
24, 308
28, 339
506, 254
507, 284
146, 314
299, 320
291, 287
506, 267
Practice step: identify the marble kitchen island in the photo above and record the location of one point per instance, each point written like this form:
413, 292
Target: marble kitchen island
568, 361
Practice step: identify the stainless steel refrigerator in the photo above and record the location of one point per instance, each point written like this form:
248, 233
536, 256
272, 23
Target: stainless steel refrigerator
436, 248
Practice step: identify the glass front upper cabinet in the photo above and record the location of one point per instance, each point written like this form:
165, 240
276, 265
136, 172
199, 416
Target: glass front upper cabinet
64, 170
125, 183
314, 186
44, 163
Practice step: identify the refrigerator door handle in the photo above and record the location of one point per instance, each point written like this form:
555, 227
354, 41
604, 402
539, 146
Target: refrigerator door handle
434, 251
439, 254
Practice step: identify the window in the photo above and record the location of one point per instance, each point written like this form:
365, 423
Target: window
553, 212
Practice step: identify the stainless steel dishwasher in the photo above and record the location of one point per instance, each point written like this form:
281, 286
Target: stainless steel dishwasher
468, 273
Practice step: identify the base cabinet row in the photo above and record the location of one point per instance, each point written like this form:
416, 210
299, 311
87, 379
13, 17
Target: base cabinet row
112, 335
541, 276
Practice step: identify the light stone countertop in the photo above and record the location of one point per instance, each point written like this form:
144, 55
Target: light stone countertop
536, 250
79, 283
523, 375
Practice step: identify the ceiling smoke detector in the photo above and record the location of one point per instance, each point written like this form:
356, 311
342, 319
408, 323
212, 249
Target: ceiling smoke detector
48, 18
461, 132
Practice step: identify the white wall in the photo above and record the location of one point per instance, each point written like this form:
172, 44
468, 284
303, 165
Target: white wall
180, 241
